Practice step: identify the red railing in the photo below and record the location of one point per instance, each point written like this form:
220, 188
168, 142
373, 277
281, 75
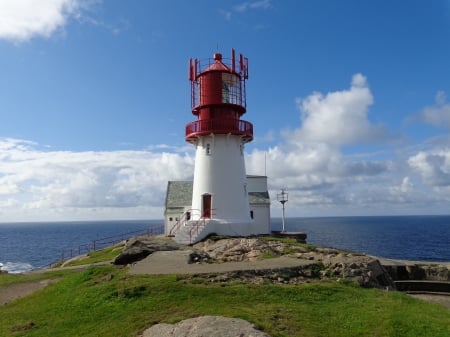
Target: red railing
195, 229
107, 241
226, 126
237, 65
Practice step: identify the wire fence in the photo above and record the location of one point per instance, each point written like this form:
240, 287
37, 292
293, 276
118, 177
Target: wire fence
101, 243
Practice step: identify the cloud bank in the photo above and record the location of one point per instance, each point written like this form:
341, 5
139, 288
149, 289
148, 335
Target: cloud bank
322, 179
42, 184
22, 20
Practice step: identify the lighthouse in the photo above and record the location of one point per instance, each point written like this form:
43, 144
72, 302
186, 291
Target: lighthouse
220, 201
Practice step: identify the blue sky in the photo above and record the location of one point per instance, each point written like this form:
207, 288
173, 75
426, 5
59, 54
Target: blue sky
348, 100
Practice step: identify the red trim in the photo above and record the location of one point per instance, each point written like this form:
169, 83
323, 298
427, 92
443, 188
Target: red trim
217, 126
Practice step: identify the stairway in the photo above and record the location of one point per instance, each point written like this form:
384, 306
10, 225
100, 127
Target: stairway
193, 231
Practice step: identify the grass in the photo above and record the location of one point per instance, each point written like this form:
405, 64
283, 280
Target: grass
106, 301
102, 255
8, 279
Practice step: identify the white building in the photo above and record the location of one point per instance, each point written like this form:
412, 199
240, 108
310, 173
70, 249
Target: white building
178, 206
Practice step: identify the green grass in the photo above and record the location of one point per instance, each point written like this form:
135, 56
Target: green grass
102, 255
106, 301
8, 279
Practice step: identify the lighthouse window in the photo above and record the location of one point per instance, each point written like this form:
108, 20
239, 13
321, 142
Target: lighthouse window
225, 93
208, 149
231, 92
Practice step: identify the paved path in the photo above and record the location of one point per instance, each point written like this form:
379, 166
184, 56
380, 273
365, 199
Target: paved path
176, 262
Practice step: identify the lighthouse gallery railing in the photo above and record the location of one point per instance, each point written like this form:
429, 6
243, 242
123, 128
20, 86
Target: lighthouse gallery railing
217, 126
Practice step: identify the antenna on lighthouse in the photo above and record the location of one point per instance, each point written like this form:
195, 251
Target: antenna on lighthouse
282, 198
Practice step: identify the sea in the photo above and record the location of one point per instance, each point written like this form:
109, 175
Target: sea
28, 246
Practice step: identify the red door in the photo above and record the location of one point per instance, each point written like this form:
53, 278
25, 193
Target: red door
206, 206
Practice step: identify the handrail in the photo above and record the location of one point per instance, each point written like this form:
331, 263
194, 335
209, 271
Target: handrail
207, 126
182, 221
196, 226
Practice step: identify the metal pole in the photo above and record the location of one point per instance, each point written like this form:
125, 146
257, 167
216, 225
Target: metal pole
283, 198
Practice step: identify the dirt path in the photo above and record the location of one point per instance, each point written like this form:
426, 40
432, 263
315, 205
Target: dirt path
12, 292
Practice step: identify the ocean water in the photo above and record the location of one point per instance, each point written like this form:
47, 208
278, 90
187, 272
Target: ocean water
417, 238
27, 246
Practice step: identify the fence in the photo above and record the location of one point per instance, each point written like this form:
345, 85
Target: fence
107, 241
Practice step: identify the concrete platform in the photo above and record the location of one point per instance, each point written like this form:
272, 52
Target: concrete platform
176, 262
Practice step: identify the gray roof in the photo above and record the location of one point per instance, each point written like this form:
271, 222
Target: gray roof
179, 194
258, 197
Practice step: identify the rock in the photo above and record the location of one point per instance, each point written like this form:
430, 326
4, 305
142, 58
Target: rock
210, 326
139, 248
199, 257
132, 253
239, 249
364, 270
436, 273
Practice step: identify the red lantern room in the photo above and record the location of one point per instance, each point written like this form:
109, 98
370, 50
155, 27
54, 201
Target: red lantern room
218, 97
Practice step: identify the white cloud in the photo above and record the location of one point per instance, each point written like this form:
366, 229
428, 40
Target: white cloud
322, 179
244, 7
439, 114
71, 185
339, 117
433, 166
248, 5
22, 20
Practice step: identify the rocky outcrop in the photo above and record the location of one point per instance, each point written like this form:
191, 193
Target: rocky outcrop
364, 270
436, 272
139, 248
240, 249
211, 326
325, 263
418, 271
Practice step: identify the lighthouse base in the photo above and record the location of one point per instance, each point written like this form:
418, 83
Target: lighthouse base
196, 230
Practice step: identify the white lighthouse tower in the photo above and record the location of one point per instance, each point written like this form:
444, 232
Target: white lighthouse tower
219, 197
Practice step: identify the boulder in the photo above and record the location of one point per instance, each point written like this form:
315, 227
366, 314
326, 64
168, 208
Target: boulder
139, 248
211, 326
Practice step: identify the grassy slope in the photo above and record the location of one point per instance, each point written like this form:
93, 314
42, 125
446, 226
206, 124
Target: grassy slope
106, 301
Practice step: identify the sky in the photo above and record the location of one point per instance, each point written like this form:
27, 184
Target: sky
349, 101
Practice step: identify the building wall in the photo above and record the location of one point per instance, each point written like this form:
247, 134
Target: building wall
172, 216
261, 217
260, 224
